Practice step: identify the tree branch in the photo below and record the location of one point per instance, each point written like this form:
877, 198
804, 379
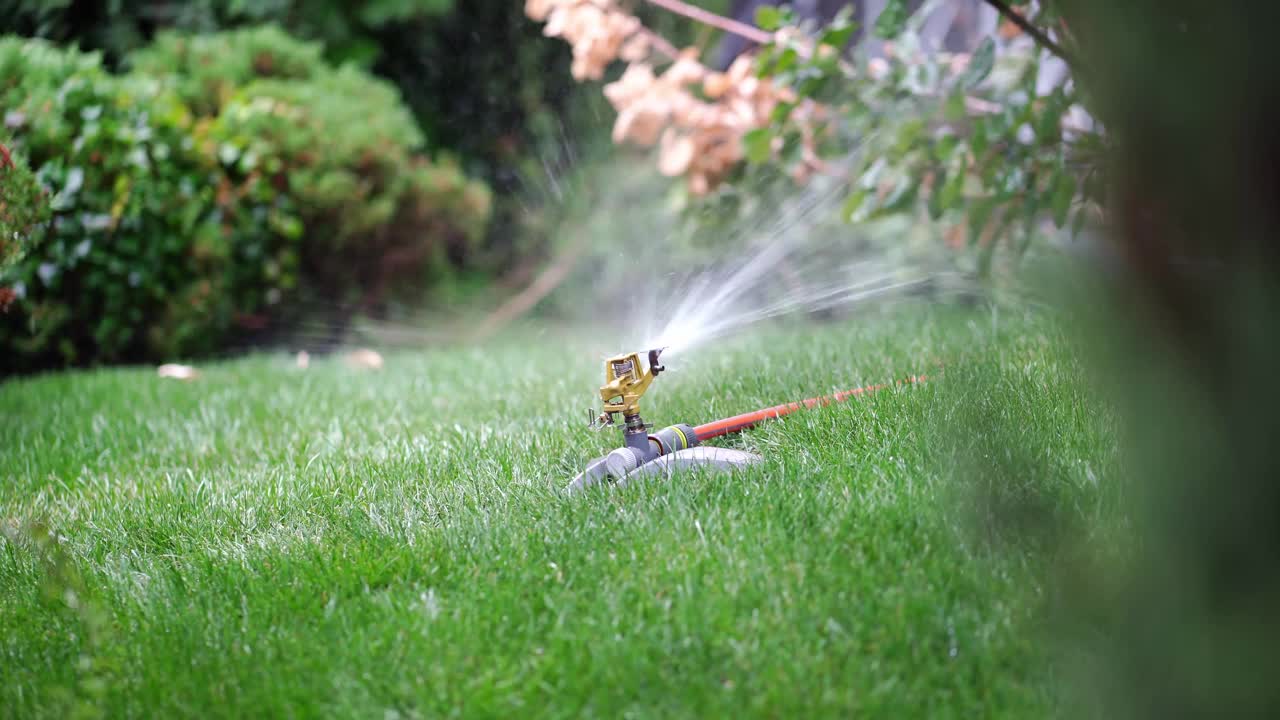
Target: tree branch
659, 43
729, 25
1036, 33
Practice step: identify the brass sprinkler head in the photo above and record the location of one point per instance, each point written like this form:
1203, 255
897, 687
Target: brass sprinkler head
624, 383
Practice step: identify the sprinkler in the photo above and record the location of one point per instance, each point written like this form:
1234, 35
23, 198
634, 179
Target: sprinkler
679, 446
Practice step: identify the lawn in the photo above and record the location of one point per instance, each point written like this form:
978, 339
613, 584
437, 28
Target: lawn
269, 541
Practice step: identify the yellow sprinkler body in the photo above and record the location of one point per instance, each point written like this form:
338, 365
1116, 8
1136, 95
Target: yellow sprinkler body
624, 384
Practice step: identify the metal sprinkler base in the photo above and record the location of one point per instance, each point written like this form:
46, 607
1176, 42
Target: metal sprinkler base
615, 470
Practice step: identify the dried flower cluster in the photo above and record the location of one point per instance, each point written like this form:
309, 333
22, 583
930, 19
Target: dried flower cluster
697, 117
596, 29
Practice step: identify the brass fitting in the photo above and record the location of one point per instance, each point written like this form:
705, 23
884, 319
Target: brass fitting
624, 383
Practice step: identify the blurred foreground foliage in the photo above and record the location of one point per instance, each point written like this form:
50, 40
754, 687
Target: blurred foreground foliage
985, 144
989, 144
178, 226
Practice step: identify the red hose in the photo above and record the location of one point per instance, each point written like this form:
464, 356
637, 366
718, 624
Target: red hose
751, 419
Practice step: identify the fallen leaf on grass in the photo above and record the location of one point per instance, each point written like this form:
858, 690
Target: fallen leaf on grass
364, 359
177, 372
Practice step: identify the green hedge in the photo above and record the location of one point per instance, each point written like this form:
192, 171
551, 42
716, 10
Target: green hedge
194, 199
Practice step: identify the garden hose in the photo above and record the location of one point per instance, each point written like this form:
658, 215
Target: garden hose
749, 420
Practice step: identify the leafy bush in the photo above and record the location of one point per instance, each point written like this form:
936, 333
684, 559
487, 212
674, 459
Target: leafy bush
206, 71
503, 101
341, 149
22, 207
347, 30
174, 229
331, 152
131, 229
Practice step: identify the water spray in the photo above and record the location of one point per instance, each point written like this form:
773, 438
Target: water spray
679, 446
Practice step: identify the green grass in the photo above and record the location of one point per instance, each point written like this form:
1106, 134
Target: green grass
273, 542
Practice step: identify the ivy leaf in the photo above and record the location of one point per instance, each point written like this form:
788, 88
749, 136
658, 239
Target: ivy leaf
768, 17
757, 145
980, 64
892, 19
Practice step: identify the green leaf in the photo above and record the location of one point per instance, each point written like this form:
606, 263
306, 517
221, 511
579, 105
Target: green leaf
955, 110
852, 204
936, 205
781, 112
786, 60
908, 134
837, 36
1077, 222
757, 144
768, 17
765, 60
1064, 190
892, 19
1048, 125
980, 64
979, 216
949, 194
978, 139
944, 148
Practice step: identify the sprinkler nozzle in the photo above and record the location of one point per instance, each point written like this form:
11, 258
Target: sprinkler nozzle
624, 383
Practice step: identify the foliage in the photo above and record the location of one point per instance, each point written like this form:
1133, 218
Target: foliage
968, 139
502, 103
341, 149
347, 31
205, 71
130, 240
174, 230
23, 206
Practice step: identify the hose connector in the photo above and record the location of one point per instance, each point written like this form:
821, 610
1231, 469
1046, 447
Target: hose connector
673, 439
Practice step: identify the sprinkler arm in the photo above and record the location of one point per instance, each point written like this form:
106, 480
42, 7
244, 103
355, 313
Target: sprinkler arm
624, 384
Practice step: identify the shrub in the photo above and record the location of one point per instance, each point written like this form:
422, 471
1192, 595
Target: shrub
206, 71
173, 229
327, 154
130, 230
341, 148
22, 207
